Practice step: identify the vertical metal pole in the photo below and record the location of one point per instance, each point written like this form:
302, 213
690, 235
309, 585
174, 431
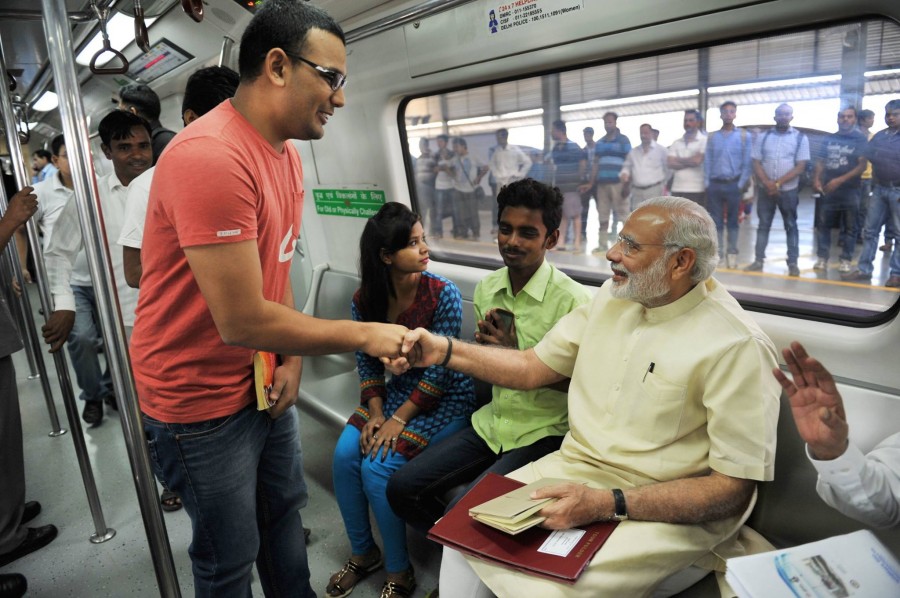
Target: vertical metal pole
102, 533
59, 45
16, 304
550, 102
24, 304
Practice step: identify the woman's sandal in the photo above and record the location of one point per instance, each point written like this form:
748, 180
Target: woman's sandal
393, 589
336, 587
170, 501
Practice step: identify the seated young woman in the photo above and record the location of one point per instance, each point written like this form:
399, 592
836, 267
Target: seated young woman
398, 419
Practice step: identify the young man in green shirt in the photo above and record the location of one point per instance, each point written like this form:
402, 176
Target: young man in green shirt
517, 426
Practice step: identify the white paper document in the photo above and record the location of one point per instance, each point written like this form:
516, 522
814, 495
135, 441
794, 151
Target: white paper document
854, 564
561, 542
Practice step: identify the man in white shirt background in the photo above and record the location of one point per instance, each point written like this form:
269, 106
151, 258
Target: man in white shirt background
126, 142
508, 163
644, 172
686, 159
53, 194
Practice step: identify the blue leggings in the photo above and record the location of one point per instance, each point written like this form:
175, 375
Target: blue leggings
360, 483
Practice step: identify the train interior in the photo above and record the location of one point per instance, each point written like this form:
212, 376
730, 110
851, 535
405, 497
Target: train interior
419, 69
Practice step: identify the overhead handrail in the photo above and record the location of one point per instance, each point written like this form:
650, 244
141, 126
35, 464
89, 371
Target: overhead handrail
193, 8
141, 37
102, 16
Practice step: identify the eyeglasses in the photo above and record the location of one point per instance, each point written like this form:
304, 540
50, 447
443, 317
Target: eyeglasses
335, 79
630, 246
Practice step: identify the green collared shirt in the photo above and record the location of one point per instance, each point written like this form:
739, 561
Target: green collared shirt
517, 418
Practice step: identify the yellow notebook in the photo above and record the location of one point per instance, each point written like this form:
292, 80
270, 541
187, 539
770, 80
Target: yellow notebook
264, 364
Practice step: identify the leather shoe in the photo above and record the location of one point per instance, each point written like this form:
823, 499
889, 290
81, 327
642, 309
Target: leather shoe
857, 275
92, 412
756, 266
32, 510
37, 537
893, 282
13, 585
111, 401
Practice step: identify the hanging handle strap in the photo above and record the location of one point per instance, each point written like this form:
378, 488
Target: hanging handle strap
21, 117
193, 8
12, 81
102, 15
24, 135
141, 37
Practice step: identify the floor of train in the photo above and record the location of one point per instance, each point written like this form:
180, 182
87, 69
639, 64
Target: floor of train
72, 566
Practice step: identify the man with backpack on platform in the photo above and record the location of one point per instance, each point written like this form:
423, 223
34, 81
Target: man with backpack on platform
779, 158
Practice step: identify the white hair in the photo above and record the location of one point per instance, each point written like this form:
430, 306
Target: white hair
691, 226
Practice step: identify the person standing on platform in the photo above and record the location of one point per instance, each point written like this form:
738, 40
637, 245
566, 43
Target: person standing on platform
644, 172
780, 156
727, 168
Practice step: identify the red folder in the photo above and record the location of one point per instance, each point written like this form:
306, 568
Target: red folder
461, 532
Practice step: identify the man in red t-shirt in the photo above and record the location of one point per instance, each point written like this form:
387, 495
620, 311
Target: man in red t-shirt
222, 221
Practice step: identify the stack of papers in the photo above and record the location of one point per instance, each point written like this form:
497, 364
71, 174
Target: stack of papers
854, 564
514, 511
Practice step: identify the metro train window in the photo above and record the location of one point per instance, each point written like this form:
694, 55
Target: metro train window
788, 89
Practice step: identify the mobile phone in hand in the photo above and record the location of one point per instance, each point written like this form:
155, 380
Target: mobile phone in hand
503, 319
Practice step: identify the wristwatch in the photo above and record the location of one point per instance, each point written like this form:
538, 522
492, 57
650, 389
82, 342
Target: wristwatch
621, 513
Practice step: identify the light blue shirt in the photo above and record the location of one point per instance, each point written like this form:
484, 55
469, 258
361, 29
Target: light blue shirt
728, 156
779, 152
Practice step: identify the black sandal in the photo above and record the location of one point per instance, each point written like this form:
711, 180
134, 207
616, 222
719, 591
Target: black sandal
393, 589
170, 501
334, 589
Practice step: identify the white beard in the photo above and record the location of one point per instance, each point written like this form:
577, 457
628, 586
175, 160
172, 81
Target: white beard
647, 287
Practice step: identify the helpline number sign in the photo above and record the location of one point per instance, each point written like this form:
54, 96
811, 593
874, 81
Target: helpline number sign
519, 13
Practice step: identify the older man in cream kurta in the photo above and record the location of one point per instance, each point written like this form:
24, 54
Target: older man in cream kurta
707, 404
671, 401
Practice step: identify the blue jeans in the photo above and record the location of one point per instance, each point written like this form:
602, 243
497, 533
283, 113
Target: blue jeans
865, 197
722, 198
360, 482
883, 207
786, 202
240, 478
83, 341
416, 492
840, 206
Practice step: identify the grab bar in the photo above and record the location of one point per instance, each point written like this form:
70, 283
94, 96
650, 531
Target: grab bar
102, 15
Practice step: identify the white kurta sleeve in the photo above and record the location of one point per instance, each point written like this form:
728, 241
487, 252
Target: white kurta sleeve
864, 487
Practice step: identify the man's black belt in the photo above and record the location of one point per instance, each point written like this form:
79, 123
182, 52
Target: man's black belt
648, 186
887, 183
733, 179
